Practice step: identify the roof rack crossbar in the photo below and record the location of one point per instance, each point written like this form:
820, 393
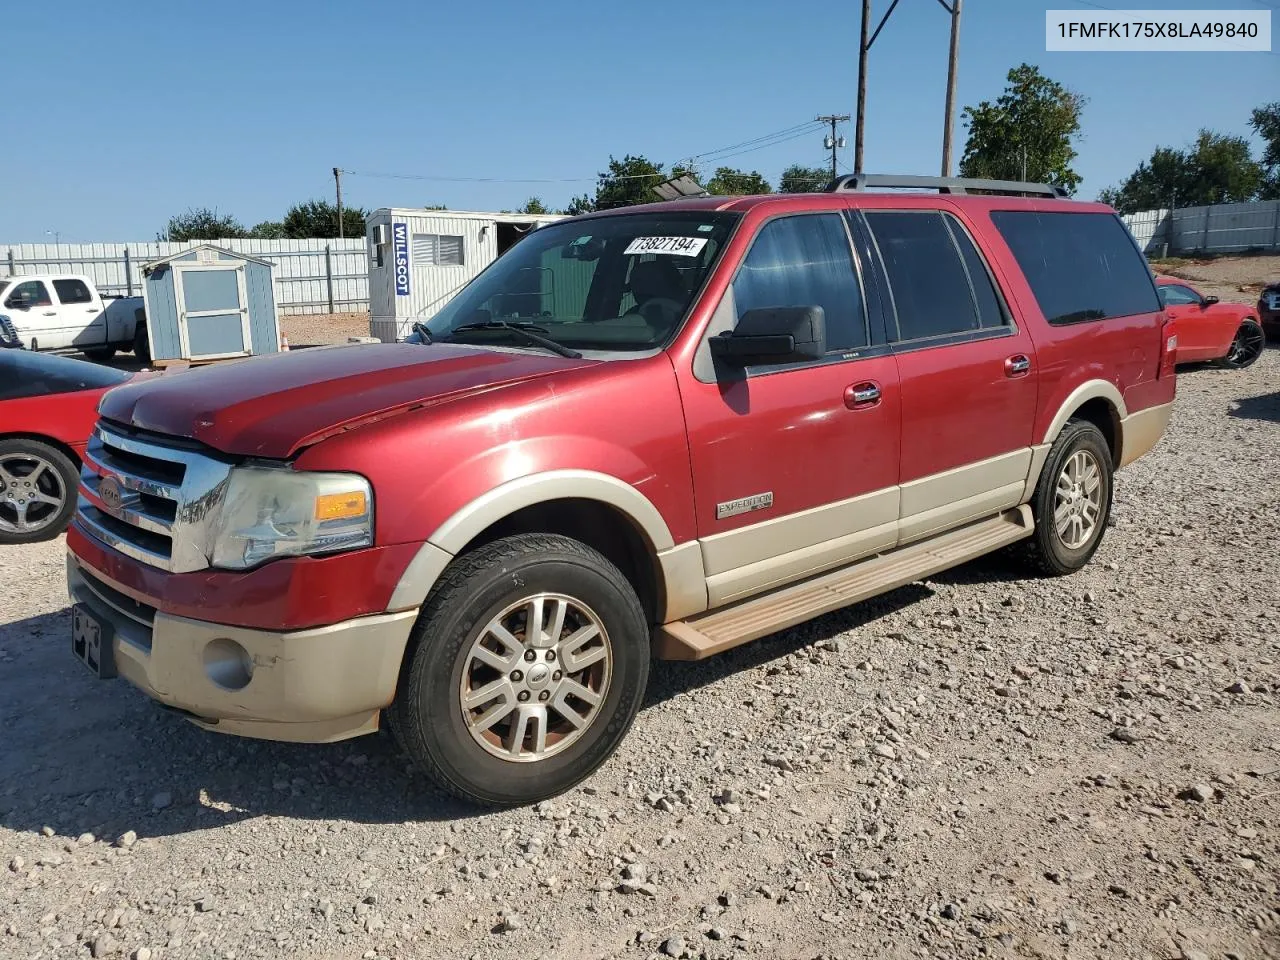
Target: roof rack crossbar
859, 182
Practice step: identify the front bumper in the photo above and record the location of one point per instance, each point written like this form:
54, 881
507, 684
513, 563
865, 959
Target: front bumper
316, 685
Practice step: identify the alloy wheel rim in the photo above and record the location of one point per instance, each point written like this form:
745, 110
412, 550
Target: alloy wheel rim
535, 677
1247, 345
1077, 502
32, 493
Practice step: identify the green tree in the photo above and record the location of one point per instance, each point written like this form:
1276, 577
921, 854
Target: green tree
534, 206
1265, 122
1217, 168
201, 223
268, 230
319, 218
730, 182
801, 179
627, 181
1027, 133
435, 206
578, 205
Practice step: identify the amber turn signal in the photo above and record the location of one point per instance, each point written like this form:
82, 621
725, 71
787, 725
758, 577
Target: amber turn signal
341, 506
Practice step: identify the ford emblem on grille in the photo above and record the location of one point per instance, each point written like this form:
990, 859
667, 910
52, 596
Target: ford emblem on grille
109, 491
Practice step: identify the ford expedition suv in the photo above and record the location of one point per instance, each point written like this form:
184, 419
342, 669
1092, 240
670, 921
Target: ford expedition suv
662, 430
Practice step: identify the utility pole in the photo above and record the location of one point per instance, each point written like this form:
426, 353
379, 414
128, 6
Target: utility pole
864, 47
337, 180
833, 142
952, 64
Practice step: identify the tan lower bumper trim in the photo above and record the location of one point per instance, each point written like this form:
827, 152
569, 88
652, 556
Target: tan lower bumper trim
1142, 430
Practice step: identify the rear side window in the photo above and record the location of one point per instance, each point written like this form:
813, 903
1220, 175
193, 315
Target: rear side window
72, 291
939, 283
805, 261
1081, 266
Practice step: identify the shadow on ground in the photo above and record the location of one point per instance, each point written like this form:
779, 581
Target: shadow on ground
85, 755
1263, 407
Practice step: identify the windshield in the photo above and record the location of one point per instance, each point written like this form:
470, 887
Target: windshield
27, 374
622, 283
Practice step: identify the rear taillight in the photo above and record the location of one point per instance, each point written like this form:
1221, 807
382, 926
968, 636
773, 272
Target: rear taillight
1168, 350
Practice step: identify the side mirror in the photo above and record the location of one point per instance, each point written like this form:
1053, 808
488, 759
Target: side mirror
1208, 301
772, 335
20, 304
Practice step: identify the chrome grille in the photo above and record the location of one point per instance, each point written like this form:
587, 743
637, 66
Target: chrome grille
149, 499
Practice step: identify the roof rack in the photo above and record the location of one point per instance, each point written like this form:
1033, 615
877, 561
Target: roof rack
858, 182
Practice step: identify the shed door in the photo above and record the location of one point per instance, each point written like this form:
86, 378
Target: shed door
213, 311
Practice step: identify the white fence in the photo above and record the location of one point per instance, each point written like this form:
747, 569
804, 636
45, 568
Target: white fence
1221, 228
311, 276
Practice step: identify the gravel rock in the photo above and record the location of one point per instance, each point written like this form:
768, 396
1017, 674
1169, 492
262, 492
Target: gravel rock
1198, 793
674, 947
126, 839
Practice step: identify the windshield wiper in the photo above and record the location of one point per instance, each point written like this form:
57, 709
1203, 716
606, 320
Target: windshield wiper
530, 332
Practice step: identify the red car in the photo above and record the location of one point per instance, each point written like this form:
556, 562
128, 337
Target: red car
662, 430
48, 405
1209, 329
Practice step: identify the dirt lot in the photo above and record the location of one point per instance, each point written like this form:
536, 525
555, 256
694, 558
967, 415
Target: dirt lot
983, 764
1237, 279
324, 327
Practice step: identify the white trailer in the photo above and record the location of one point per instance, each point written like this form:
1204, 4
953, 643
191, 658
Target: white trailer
419, 259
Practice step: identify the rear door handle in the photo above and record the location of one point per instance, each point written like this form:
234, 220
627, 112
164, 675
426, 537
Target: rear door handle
1017, 366
50, 313
859, 396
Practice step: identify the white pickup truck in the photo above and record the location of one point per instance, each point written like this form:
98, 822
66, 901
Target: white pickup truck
65, 311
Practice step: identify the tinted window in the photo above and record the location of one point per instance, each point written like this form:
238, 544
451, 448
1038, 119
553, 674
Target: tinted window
1081, 266
72, 291
31, 293
805, 261
27, 374
1176, 295
938, 281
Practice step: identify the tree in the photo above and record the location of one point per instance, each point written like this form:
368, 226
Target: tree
1217, 168
201, 223
268, 230
1265, 122
801, 179
319, 218
627, 181
578, 205
730, 182
534, 206
1027, 134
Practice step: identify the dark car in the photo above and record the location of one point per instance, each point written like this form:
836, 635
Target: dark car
1269, 308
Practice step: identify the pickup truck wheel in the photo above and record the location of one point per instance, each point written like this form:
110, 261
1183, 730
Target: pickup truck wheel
37, 491
527, 666
100, 354
1072, 502
141, 345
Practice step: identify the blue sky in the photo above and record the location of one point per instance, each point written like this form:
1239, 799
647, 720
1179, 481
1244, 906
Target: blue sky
142, 110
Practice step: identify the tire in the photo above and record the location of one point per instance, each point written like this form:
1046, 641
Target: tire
1247, 346
100, 354
141, 345
1053, 551
27, 467
495, 583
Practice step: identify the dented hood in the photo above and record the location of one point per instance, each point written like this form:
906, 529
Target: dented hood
273, 406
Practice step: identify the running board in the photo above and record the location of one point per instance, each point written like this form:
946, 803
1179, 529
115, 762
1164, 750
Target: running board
719, 630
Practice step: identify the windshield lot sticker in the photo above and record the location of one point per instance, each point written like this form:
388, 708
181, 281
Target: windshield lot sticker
671, 246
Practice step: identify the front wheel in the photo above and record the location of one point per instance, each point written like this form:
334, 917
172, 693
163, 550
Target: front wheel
100, 354
1246, 347
1072, 502
526, 668
37, 491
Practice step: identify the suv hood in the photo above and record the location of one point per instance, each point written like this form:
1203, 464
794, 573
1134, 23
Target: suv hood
273, 406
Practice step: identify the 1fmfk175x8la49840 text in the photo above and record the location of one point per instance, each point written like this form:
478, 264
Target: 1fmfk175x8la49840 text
1127, 30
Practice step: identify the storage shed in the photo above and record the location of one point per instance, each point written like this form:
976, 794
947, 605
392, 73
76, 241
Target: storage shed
419, 259
207, 303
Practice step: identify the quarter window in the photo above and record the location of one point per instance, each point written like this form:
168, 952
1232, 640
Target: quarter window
31, 293
805, 261
1081, 266
72, 291
437, 250
938, 280
1176, 295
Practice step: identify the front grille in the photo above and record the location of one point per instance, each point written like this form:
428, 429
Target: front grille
150, 499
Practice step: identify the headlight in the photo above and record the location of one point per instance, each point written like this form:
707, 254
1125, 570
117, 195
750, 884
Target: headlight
276, 512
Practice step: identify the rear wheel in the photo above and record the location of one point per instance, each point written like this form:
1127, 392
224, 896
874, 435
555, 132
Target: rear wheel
1247, 346
1072, 502
527, 667
141, 344
100, 354
37, 491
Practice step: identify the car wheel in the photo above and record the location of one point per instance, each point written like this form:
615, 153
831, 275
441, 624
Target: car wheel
37, 491
100, 354
1072, 502
1247, 346
141, 344
526, 668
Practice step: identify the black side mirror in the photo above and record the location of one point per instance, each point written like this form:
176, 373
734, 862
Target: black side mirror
19, 303
1208, 301
772, 335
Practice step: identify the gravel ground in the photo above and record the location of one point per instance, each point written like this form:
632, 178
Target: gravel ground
1238, 279
983, 764
303, 329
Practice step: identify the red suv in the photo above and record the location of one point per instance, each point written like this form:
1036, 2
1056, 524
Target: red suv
661, 430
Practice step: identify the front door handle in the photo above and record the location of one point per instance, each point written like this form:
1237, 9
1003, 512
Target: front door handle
50, 313
1017, 366
859, 396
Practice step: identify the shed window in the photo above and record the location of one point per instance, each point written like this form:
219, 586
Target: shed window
436, 250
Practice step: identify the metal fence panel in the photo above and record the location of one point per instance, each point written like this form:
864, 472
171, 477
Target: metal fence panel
306, 281
1221, 228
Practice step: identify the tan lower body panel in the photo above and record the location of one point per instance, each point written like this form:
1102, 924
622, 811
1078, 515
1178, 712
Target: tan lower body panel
1142, 430
720, 630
